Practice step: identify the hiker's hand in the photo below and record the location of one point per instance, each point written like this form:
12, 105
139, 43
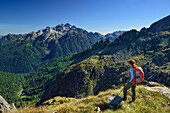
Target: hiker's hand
128, 80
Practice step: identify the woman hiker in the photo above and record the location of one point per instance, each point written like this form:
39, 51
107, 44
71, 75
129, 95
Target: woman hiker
136, 76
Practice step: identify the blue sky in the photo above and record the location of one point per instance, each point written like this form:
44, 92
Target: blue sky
23, 16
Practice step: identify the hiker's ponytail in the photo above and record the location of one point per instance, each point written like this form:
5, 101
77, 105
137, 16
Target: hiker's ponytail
132, 62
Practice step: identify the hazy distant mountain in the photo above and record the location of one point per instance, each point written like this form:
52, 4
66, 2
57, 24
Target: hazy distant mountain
24, 53
1, 36
114, 35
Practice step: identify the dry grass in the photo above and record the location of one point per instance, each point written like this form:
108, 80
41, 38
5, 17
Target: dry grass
146, 102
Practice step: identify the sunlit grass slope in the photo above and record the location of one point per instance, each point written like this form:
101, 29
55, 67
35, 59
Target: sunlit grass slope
146, 102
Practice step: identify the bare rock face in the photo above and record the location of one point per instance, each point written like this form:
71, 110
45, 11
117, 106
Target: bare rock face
160, 25
162, 90
7, 108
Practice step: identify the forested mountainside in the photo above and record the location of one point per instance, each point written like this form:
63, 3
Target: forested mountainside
26, 89
11, 87
24, 53
105, 65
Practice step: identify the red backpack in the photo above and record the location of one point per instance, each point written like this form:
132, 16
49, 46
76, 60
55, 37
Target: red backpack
139, 75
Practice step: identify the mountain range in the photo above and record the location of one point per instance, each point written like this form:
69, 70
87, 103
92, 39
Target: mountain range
105, 65
1, 36
24, 53
72, 62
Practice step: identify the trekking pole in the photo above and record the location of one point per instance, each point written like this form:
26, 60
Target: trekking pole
120, 91
124, 84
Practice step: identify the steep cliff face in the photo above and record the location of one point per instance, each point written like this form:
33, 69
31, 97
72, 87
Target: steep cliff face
105, 65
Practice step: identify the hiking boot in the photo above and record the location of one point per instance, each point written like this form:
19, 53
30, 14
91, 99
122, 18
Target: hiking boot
124, 99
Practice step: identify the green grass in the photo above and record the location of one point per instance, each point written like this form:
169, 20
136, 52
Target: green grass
146, 102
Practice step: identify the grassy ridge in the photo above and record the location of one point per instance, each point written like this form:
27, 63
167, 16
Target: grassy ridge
146, 101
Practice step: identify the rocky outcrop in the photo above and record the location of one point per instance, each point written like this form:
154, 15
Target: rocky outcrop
162, 90
6, 108
159, 25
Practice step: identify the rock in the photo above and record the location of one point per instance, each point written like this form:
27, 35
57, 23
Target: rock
51, 102
162, 90
152, 84
97, 109
4, 104
7, 108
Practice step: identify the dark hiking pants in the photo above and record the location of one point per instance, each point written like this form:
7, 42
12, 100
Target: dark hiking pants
132, 86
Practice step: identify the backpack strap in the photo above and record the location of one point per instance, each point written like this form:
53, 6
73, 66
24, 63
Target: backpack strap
131, 72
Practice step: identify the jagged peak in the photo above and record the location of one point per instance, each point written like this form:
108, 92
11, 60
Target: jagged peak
60, 25
47, 27
32, 32
74, 26
67, 25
